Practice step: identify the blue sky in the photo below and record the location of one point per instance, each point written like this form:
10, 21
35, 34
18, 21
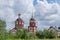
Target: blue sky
46, 12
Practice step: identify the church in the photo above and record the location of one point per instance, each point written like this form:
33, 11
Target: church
19, 24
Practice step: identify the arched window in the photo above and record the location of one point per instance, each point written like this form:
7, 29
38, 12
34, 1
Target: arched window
30, 29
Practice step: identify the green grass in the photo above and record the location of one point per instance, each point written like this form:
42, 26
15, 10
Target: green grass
34, 39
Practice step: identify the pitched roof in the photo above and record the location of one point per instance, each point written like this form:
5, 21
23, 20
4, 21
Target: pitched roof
55, 28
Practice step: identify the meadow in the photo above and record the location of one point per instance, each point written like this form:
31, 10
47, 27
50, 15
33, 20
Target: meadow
35, 39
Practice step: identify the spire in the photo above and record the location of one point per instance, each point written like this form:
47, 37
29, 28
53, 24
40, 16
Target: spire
19, 15
32, 15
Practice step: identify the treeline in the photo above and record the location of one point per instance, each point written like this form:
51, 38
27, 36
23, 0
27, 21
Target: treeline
24, 34
46, 34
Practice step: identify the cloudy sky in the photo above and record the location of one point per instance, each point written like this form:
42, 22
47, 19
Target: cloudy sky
46, 12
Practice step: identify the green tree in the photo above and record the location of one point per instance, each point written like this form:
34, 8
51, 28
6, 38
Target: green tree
28, 35
25, 34
19, 33
2, 25
40, 34
46, 33
2, 29
32, 36
52, 34
49, 34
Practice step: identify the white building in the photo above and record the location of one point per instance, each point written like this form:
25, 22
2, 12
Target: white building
57, 29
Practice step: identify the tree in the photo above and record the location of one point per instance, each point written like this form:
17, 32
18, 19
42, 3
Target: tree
2, 25
28, 35
40, 35
25, 34
2, 29
52, 34
19, 33
46, 34
49, 34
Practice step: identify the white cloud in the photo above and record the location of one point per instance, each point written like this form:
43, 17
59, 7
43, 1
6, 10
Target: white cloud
10, 8
45, 13
48, 13
7, 15
7, 3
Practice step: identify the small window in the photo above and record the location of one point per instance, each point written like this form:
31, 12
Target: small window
30, 29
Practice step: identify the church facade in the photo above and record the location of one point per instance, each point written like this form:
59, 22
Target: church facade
19, 24
32, 25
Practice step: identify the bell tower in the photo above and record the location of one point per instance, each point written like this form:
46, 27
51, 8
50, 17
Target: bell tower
19, 24
32, 28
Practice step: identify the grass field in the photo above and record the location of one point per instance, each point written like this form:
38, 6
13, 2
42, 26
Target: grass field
34, 39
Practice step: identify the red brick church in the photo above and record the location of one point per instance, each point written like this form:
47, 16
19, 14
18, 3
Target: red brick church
32, 25
19, 24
